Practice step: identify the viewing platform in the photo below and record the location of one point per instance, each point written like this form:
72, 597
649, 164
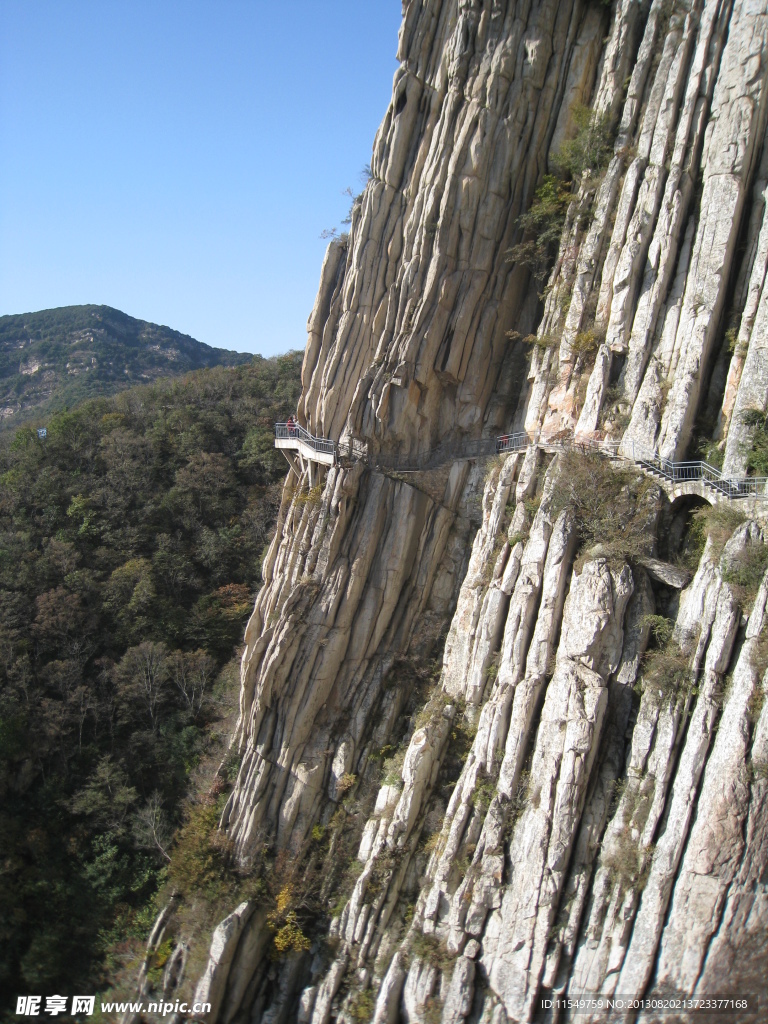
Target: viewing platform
296, 438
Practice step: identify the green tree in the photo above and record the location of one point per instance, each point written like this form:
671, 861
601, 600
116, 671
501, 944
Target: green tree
130, 545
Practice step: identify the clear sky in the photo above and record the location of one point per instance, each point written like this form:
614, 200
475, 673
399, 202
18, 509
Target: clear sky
179, 159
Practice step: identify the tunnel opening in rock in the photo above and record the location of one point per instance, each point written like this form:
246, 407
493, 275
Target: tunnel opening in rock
617, 365
676, 535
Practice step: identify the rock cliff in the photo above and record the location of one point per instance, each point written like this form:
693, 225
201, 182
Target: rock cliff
574, 738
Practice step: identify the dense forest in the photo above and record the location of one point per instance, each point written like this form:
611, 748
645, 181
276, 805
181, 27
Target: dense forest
132, 537
57, 358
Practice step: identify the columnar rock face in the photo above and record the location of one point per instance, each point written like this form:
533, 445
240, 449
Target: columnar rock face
565, 815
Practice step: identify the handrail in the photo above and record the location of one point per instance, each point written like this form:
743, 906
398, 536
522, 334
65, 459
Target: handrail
512, 442
296, 432
447, 451
675, 472
354, 449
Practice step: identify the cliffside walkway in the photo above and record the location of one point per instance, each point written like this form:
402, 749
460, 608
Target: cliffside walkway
700, 477
677, 478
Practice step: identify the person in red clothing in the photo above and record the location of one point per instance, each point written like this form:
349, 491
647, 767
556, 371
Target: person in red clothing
291, 425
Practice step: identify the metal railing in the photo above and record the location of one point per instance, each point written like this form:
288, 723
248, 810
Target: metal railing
433, 458
353, 448
675, 472
356, 449
698, 470
731, 487
295, 432
512, 442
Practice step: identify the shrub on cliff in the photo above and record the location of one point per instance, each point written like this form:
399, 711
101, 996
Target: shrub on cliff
541, 227
591, 146
612, 507
716, 522
666, 668
756, 449
744, 572
588, 151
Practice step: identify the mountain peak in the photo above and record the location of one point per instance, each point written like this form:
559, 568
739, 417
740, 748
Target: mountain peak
58, 357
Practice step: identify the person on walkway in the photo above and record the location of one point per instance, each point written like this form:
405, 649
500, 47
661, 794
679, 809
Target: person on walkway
291, 425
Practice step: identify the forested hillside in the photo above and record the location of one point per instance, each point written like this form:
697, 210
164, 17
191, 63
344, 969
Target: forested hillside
131, 545
57, 358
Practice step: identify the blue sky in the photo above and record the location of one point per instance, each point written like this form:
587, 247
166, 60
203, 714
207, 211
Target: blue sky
179, 159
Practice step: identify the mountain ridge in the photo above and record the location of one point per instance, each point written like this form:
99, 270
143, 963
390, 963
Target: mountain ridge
58, 357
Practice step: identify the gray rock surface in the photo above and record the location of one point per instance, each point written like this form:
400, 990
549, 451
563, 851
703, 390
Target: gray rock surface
569, 813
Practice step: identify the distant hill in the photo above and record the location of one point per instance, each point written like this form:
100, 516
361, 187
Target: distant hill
56, 358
